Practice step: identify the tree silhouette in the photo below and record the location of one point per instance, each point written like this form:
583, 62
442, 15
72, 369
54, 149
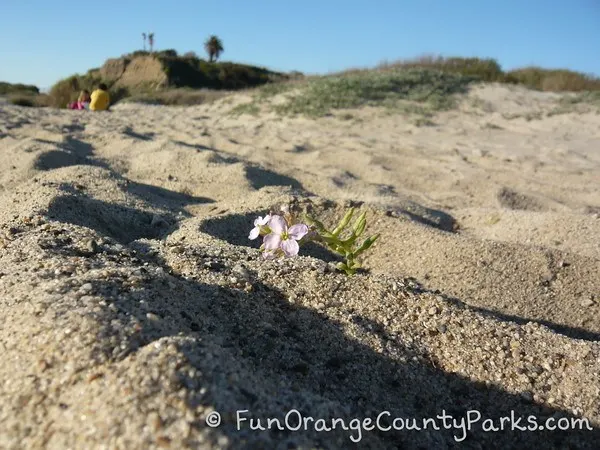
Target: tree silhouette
214, 47
151, 41
144, 38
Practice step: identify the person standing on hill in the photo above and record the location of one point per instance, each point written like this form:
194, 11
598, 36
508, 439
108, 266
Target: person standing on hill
100, 99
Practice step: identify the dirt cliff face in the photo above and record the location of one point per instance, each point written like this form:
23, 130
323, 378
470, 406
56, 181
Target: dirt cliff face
129, 73
113, 69
166, 69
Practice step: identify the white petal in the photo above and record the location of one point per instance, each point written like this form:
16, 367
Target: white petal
254, 233
264, 220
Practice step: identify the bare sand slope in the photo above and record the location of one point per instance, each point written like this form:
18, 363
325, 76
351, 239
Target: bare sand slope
134, 306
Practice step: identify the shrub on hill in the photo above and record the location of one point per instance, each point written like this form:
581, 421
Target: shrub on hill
18, 88
555, 80
178, 97
191, 71
486, 69
28, 99
22, 100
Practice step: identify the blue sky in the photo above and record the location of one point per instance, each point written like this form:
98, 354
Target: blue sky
42, 41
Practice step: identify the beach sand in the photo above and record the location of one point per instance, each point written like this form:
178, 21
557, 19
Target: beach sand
134, 305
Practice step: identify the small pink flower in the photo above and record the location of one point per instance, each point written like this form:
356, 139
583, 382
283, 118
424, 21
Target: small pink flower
282, 237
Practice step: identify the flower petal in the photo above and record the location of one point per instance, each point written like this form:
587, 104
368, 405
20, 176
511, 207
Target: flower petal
277, 224
290, 247
298, 231
272, 241
263, 220
254, 233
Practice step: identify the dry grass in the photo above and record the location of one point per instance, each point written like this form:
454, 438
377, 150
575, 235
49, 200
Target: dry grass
555, 80
18, 88
484, 69
28, 99
179, 97
487, 69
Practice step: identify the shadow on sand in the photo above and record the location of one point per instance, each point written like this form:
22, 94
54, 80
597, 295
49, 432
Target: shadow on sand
142, 137
72, 152
427, 216
122, 222
259, 178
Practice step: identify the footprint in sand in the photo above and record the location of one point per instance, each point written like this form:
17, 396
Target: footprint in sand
511, 199
344, 179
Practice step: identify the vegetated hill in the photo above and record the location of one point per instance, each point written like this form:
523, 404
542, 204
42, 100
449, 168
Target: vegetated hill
145, 72
168, 78
18, 88
419, 87
23, 94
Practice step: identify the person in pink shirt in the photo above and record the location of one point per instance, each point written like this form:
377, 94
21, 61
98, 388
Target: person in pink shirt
83, 102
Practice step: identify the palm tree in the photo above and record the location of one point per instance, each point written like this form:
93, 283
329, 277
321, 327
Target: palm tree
144, 38
151, 41
214, 47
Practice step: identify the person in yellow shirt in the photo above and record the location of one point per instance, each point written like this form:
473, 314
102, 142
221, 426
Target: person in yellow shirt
100, 99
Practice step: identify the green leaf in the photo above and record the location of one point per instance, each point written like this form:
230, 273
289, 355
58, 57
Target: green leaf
343, 223
350, 241
366, 244
308, 219
341, 266
338, 250
314, 222
361, 227
330, 240
344, 268
361, 218
323, 232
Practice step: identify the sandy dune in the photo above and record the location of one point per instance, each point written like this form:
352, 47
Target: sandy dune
134, 304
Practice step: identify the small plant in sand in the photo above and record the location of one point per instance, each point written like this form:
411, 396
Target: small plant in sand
283, 235
348, 247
